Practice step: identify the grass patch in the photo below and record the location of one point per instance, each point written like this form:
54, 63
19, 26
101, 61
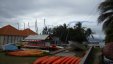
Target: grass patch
95, 57
97, 49
79, 53
5, 59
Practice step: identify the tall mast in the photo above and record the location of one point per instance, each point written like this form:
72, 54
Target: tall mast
24, 25
18, 25
44, 23
36, 27
28, 25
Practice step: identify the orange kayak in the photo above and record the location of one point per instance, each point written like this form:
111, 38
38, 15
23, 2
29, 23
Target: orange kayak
65, 60
38, 61
59, 60
77, 62
72, 59
53, 60
48, 59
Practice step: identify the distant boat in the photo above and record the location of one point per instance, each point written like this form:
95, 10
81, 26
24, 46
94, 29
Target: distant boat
95, 40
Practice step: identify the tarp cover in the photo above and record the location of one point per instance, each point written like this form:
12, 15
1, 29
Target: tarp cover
9, 47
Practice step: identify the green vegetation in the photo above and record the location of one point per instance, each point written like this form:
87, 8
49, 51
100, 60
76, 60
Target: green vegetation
95, 56
5, 59
46, 53
76, 33
106, 17
80, 53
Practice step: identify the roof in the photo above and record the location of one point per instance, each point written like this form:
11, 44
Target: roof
28, 32
36, 37
10, 30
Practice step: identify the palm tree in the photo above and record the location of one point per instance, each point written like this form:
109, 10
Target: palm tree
89, 33
44, 30
79, 31
106, 17
79, 26
60, 31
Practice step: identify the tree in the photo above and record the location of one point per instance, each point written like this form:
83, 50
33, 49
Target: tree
79, 31
76, 33
106, 17
89, 33
79, 25
60, 31
45, 31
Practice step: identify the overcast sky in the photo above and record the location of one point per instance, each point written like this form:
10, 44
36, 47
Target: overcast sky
55, 12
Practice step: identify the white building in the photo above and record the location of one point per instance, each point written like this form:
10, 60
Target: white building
9, 34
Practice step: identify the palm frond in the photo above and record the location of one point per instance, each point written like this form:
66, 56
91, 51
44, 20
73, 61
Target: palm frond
106, 9
102, 17
107, 23
105, 6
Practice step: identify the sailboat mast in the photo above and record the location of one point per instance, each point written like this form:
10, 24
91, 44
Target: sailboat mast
28, 25
44, 23
36, 27
18, 25
24, 25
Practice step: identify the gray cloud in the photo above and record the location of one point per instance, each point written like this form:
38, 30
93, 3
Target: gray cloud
55, 11
15, 8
